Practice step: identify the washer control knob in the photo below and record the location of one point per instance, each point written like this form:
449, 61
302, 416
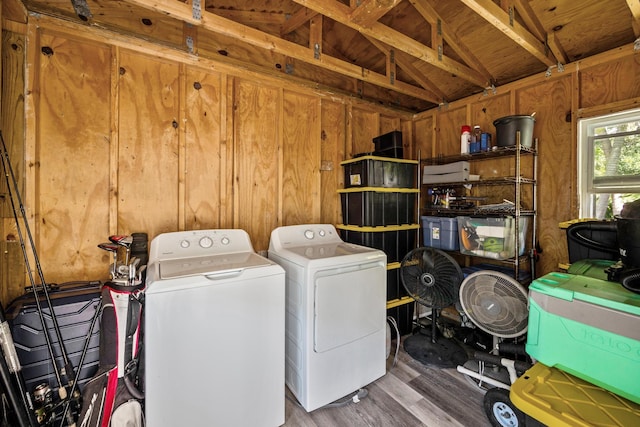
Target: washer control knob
309, 234
206, 242
225, 240
184, 244
321, 233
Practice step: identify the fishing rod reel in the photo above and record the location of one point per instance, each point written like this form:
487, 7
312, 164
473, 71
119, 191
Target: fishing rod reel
47, 404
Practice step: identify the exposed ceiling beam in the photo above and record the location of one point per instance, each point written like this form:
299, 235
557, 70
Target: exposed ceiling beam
435, 20
369, 11
556, 48
634, 6
404, 61
533, 24
219, 25
500, 19
340, 13
315, 34
297, 20
246, 16
530, 19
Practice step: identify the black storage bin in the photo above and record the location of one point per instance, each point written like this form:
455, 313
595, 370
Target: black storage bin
372, 206
389, 145
395, 289
74, 305
395, 240
403, 315
388, 140
372, 171
393, 152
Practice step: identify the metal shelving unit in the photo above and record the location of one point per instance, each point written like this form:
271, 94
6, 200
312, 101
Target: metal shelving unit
515, 210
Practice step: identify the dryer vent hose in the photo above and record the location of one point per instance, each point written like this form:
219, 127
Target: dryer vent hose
574, 234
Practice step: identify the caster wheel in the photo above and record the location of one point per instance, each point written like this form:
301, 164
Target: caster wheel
500, 411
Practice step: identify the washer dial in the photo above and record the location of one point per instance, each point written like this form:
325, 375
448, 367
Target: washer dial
205, 242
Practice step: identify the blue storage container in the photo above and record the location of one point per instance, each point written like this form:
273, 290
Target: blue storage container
440, 232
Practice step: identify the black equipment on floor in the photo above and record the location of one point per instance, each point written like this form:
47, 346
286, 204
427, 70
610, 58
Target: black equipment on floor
74, 304
432, 278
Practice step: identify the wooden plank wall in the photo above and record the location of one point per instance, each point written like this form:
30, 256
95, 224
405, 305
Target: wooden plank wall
601, 84
119, 141
116, 135
12, 106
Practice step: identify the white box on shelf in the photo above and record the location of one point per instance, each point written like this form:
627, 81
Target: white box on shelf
450, 172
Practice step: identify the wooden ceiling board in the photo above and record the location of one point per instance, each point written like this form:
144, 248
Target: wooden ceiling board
350, 44
357, 39
586, 28
498, 54
405, 19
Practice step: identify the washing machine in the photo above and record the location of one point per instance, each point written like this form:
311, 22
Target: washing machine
335, 312
214, 332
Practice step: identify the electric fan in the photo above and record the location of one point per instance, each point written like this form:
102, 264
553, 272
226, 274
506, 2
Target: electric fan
497, 304
432, 278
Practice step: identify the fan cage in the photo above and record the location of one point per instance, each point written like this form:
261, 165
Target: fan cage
431, 277
495, 303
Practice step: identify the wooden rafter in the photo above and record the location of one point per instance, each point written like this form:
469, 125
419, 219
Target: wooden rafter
297, 20
533, 24
219, 25
404, 61
315, 34
435, 20
634, 6
556, 48
530, 19
340, 13
369, 11
497, 17
248, 16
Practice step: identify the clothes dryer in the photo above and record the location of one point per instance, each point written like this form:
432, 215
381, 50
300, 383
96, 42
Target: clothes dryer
214, 332
335, 312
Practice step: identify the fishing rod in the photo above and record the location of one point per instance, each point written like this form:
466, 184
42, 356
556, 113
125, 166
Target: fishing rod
67, 369
9, 364
85, 349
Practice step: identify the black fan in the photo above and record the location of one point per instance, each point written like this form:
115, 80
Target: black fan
432, 278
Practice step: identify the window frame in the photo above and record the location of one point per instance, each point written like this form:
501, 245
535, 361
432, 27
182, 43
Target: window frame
588, 188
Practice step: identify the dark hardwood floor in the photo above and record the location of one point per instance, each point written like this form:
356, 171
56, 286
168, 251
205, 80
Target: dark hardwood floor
410, 394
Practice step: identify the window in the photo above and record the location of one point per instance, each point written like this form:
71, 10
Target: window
609, 163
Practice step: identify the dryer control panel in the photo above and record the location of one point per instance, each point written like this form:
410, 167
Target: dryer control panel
196, 243
304, 235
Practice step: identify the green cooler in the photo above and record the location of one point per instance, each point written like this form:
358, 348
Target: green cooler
589, 328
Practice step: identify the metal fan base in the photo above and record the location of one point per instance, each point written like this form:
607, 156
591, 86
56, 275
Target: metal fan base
444, 353
498, 373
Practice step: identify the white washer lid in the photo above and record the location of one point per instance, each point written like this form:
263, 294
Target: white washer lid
205, 265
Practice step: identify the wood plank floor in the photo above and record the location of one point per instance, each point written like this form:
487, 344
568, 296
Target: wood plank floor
409, 395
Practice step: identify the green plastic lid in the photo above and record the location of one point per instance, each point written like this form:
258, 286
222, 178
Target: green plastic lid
601, 292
